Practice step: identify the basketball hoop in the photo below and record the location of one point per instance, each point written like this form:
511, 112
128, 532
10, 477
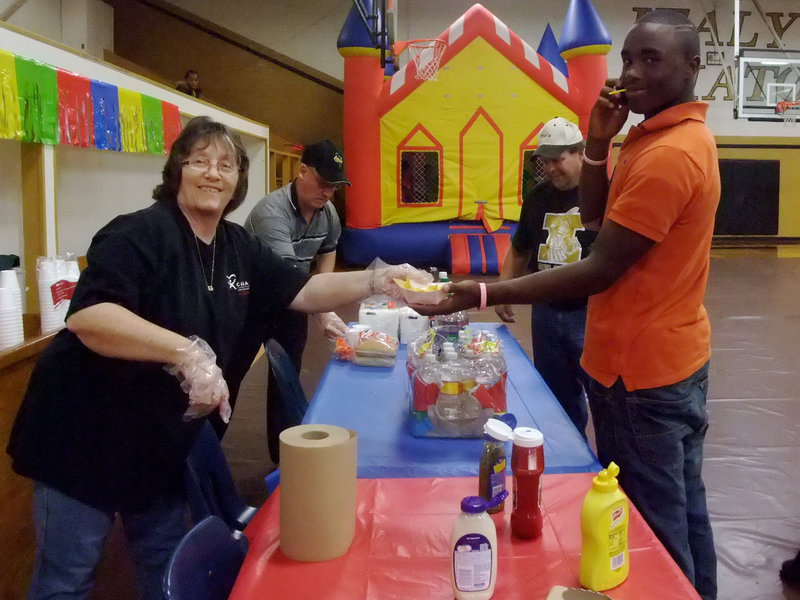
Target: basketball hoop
426, 55
789, 111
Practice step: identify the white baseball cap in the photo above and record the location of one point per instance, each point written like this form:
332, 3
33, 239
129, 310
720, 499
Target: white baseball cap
556, 136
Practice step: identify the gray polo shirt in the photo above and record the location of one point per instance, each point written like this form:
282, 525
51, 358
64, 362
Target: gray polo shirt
276, 220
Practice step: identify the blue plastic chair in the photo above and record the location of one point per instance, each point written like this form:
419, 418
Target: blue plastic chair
210, 489
206, 562
272, 481
294, 405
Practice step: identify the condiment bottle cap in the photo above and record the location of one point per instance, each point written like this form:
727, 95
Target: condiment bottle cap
496, 429
528, 437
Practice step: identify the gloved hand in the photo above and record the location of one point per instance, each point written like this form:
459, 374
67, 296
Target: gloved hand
332, 326
202, 379
382, 280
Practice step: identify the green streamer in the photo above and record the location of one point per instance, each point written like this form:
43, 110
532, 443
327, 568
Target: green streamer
37, 84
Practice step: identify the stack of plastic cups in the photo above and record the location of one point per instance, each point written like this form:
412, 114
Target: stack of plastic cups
11, 333
9, 279
52, 316
20, 273
73, 273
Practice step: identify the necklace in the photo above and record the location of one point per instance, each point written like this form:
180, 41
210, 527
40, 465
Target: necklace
210, 286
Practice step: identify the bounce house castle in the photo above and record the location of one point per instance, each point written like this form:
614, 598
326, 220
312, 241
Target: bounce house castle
440, 167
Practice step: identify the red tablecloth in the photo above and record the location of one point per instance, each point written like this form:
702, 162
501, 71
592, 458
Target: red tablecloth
401, 549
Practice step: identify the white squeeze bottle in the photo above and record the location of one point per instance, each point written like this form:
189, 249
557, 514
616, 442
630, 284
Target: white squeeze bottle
473, 545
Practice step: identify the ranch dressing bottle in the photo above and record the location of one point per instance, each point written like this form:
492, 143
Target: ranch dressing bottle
473, 544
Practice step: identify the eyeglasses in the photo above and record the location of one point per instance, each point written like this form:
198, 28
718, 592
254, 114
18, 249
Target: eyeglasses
202, 165
325, 184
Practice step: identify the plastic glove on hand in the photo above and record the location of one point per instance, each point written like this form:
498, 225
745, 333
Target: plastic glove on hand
383, 279
202, 379
332, 326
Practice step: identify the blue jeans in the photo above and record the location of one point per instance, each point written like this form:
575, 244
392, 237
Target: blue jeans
656, 437
557, 347
70, 536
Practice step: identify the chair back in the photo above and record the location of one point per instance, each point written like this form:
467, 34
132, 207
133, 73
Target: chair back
210, 489
206, 562
294, 398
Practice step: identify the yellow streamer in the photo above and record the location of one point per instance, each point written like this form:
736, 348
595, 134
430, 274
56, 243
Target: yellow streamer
131, 119
10, 121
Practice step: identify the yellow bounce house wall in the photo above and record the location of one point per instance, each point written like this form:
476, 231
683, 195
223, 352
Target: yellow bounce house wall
481, 115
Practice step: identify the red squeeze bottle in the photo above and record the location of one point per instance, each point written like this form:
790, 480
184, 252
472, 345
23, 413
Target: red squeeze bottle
527, 466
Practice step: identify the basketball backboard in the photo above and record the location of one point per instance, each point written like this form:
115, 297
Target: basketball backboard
380, 18
764, 79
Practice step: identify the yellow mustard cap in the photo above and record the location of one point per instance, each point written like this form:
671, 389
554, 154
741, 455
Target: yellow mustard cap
606, 480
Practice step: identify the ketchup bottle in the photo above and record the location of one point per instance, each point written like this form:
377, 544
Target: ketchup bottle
527, 466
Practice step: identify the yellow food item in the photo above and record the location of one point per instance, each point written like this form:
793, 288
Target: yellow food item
407, 284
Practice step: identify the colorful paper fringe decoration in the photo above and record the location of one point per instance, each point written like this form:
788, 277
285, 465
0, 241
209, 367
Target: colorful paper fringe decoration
10, 122
39, 103
75, 114
105, 101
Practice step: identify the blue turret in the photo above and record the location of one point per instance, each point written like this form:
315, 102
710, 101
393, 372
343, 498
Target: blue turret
354, 38
584, 33
549, 50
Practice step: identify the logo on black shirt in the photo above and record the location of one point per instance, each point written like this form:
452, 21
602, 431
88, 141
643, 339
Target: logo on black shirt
240, 287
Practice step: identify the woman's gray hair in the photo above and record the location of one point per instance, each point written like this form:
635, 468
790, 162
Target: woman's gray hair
198, 130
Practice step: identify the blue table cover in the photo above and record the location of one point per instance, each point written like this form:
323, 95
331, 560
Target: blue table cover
374, 402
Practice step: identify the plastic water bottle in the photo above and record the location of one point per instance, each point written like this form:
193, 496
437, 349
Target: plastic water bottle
426, 383
450, 325
454, 403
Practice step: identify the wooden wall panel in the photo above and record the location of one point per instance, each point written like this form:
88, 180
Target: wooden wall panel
302, 109
16, 525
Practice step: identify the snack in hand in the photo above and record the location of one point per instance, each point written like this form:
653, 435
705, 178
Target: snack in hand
417, 293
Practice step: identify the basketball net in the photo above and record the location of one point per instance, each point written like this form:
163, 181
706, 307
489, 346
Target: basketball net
789, 111
426, 54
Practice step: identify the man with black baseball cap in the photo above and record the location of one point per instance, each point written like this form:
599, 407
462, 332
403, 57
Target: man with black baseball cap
550, 234
300, 224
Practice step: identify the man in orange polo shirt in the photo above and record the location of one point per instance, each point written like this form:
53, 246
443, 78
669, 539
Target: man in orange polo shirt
647, 333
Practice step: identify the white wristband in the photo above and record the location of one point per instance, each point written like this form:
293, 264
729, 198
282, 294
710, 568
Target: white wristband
595, 163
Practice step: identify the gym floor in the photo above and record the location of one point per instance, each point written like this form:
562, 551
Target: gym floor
752, 458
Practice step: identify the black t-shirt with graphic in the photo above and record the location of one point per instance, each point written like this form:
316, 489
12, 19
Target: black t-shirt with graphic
107, 431
550, 226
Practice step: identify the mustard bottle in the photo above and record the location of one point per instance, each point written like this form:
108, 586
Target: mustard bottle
604, 527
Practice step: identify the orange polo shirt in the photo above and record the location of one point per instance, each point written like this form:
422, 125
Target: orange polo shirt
651, 327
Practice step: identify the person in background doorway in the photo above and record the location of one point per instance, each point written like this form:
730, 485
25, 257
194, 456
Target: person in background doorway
190, 84
299, 223
648, 336
550, 231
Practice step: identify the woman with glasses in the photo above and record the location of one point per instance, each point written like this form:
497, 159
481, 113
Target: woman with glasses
164, 323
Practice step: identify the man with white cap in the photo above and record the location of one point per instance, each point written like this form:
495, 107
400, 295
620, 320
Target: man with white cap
299, 223
550, 234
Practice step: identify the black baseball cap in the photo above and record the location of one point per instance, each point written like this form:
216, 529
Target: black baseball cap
327, 160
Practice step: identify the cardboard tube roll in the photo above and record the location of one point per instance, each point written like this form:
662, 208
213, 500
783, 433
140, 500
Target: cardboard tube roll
318, 491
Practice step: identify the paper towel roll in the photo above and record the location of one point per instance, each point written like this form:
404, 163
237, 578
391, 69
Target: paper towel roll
318, 491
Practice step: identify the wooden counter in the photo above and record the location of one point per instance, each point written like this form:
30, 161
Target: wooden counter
17, 540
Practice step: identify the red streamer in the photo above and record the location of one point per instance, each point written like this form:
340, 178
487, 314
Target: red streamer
172, 124
75, 110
